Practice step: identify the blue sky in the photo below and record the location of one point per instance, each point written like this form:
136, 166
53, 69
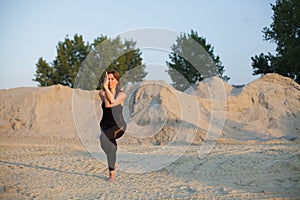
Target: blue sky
31, 29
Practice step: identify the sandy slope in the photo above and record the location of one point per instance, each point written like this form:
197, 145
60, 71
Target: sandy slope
49, 146
265, 109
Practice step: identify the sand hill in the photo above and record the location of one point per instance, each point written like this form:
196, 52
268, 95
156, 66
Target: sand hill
265, 109
256, 125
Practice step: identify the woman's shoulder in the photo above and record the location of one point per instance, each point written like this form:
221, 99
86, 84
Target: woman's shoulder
101, 91
122, 94
101, 94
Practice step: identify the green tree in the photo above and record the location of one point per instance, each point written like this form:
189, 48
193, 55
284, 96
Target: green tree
192, 60
111, 54
70, 55
63, 70
122, 57
44, 73
79, 64
284, 32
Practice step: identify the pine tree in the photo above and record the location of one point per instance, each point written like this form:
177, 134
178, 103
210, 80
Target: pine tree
81, 65
70, 55
285, 33
192, 60
44, 73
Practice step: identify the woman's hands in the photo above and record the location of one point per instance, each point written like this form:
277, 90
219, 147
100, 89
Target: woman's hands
105, 82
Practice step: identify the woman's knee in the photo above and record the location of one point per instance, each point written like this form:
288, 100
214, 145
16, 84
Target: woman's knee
119, 133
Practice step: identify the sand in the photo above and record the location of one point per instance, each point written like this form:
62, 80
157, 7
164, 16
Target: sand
40, 169
213, 141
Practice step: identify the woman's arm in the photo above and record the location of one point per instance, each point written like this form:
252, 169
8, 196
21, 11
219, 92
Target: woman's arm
102, 95
106, 92
109, 95
109, 99
116, 101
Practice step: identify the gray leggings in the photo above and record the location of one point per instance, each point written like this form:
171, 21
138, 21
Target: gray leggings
109, 145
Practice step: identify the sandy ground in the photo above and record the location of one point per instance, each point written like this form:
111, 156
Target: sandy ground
32, 168
258, 155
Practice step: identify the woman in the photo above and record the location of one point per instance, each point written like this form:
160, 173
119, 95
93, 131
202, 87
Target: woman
112, 123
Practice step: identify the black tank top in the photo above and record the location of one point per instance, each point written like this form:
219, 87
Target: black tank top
112, 116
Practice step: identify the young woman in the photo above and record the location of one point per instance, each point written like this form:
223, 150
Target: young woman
112, 123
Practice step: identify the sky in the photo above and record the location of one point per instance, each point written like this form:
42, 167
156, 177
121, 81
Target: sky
32, 29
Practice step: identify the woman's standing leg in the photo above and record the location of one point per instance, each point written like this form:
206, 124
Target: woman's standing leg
110, 149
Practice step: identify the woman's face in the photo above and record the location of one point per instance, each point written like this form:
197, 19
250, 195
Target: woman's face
112, 81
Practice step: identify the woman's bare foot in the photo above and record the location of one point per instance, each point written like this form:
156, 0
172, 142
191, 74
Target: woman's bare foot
111, 176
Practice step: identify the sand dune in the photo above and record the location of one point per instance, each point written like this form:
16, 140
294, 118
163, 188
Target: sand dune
49, 147
265, 109
268, 108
